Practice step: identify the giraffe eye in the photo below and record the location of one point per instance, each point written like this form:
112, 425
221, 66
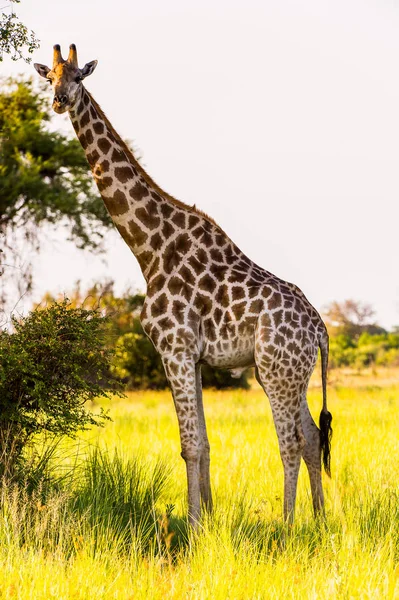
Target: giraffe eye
78, 79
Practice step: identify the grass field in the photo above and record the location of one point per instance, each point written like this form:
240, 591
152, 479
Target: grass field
106, 519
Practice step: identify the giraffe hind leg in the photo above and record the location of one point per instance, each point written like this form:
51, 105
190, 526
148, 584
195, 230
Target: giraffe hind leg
285, 405
312, 456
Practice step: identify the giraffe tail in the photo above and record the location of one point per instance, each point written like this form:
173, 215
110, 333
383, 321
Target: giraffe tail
325, 416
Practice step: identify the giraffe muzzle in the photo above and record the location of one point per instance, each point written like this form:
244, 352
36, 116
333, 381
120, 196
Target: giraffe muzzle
60, 103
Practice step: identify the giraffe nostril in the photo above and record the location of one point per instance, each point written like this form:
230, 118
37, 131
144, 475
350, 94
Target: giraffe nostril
60, 99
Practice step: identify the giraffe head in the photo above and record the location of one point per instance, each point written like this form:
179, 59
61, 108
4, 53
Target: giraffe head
65, 78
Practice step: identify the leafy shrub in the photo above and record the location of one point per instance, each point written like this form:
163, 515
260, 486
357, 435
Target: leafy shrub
52, 364
342, 351
222, 379
137, 362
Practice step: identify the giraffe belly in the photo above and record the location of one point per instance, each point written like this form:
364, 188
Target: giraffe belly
235, 353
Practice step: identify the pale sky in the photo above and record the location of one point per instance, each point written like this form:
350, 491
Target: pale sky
278, 118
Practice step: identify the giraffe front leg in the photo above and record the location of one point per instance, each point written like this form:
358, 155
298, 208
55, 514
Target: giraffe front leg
180, 371
205, 479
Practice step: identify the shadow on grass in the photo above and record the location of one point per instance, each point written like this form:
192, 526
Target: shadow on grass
238, 524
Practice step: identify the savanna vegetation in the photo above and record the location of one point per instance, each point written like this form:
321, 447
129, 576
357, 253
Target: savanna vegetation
103, 517
51, 365
106, 509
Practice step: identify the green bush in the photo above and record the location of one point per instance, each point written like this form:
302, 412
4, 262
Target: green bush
222, 379
137, 363
342, 351
51, 365
388, 358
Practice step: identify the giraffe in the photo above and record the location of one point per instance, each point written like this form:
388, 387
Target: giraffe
206, 302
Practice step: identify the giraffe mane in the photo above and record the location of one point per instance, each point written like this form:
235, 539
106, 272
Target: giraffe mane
130, 155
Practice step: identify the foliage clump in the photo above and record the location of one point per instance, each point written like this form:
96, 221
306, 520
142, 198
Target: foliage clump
51, 366
15, 37
44, 180
45, 177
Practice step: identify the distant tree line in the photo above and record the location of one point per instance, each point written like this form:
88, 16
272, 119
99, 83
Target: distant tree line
356, 340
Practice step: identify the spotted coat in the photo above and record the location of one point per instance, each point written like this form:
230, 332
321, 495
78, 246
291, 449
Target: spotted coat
206, 302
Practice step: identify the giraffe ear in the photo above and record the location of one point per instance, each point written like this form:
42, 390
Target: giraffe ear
41, 69
88, 69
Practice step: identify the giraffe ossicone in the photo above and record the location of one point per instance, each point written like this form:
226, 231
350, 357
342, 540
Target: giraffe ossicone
206, 302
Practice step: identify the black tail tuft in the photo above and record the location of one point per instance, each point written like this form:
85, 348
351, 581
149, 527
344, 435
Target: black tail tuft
325, 439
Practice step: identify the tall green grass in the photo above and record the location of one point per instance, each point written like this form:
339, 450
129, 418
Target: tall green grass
107, 519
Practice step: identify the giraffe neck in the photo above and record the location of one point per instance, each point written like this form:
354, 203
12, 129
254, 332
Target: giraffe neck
137, 206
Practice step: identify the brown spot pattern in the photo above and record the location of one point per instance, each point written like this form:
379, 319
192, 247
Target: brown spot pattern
117, 205
92, 157
138, 234
123, 174
104, 145
148, 215
166, 209
89, 137
138, 191
118, 155
104, 182
98, 128
85, 120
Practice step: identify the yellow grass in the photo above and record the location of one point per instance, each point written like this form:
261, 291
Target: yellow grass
244, 551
